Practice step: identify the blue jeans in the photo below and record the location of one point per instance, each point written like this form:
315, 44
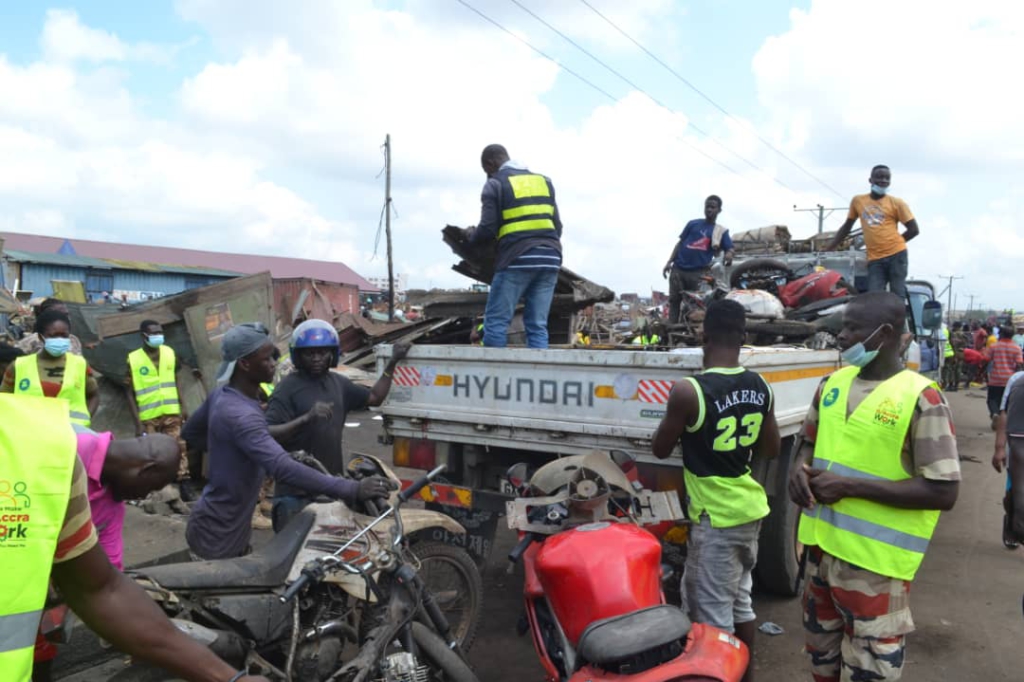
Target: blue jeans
536, 287
891, 270
285, 508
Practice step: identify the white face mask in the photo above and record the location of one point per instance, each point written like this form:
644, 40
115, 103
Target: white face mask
859, 356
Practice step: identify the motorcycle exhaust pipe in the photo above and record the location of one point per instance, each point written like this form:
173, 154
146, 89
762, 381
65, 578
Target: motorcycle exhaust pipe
331, 629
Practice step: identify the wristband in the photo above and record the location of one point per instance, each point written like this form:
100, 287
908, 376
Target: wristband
239, 675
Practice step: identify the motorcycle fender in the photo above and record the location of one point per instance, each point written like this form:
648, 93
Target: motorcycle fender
415, 520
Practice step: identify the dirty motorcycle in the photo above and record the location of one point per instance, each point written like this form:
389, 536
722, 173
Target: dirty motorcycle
337, 595
594, 603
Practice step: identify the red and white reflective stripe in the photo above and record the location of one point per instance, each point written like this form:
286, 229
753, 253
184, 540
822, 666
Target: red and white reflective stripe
654, 390
406, 376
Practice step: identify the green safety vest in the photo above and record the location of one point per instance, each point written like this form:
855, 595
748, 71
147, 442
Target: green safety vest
647, 340
887, 540
268, 389
72, 389
155, 391
526, 204
37, 460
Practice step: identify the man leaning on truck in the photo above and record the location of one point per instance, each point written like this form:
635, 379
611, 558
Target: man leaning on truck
720, 417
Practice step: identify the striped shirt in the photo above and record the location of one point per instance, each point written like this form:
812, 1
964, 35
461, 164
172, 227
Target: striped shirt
78, 535
538, 258
1006, 358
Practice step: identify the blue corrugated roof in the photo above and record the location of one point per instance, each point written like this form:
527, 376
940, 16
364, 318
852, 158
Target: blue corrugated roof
69, 260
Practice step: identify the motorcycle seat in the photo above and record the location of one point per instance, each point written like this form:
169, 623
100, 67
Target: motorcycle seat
266, 567
614, 639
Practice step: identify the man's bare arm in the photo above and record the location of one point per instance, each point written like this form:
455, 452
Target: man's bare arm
843, 233
682, 411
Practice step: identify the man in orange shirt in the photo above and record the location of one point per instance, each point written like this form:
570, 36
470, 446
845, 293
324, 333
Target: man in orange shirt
880, 216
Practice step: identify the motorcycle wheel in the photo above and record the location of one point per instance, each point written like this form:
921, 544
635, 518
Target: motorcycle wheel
453, 578
760, 269
449, 663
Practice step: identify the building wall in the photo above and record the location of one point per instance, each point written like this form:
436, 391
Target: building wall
134, 285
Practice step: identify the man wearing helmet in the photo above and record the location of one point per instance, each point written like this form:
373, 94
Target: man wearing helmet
308, 408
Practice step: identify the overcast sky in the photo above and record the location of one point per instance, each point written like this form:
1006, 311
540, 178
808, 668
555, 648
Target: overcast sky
256, 126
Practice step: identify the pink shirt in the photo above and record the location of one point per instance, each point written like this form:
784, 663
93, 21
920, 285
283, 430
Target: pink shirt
107, 513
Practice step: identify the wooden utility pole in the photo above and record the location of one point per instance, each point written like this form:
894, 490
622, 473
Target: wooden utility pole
820, 210
387, 226
949, 296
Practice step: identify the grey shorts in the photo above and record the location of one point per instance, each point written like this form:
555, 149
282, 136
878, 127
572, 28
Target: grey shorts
718, 577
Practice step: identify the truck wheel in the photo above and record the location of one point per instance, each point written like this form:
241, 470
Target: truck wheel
777, 560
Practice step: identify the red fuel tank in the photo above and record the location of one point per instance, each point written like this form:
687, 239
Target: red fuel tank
598, 571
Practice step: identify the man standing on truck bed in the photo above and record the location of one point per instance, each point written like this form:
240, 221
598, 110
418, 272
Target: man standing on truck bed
699, 243
519, 211
880, 215
881, 443
720, 417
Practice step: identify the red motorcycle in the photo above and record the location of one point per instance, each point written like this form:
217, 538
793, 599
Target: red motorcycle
594, 601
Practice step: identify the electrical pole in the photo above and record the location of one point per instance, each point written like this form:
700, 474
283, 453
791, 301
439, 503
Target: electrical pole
820, 210
387, 226
949, 296
970, 306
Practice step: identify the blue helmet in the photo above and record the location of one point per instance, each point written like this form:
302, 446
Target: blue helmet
315, 334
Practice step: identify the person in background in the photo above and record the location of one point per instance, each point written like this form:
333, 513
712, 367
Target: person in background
309, 407
53, 372
519, 213
1004, 358
721, 418
242, 451
645, 336
876, 462
699, 243
980, 335
959, 340
33, 343
38, 449
880, 215
1018, 338
1009, 453
155, 400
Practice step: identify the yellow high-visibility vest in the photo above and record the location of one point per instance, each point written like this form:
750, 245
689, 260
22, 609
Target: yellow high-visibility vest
887, 540
155, 390
72, 388
530, 206
37, 461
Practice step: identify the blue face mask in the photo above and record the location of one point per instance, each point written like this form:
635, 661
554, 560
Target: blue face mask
859, 356
878, 189
155, 340
57, 346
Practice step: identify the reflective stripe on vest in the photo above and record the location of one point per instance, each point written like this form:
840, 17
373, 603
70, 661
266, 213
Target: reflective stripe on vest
868, 445
268, 389
529, 208
37, 458
72, 388
154, 394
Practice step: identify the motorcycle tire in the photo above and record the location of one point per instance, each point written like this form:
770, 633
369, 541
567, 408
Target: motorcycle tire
471, 589
433, 648
759, 268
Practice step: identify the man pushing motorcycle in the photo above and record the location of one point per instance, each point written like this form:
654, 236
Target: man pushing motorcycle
720, 417
242, 450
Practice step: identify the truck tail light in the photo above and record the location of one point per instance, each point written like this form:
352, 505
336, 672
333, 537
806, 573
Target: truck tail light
414, 453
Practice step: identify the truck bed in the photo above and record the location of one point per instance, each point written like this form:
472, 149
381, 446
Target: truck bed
569, 400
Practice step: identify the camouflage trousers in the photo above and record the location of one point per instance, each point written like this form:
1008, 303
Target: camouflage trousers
170, 425
952, 370
855, 621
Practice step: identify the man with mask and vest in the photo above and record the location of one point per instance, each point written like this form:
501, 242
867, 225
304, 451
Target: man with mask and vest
55, 372
519, 211
48, 533
154, 390
720, 418
876, 463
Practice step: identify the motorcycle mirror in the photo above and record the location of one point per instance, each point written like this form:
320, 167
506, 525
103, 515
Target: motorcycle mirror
517, 475
624, 460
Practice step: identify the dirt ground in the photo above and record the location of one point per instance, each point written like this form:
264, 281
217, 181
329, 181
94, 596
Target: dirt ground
966, 599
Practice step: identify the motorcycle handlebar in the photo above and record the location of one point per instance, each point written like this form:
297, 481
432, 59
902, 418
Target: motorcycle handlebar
295, 588
421, 483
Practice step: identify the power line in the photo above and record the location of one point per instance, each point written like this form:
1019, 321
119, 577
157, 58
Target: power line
607, 94
712, 102
633, 85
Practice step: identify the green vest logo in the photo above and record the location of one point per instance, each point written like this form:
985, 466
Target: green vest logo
14, 501
830, 398
143, 371
888, 413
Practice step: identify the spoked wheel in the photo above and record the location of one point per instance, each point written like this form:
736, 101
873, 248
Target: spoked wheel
453, 578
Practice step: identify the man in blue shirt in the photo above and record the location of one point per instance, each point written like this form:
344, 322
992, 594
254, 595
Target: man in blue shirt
699, 243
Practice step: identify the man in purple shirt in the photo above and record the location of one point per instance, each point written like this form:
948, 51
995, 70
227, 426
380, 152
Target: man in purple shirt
120, 470
242, 451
